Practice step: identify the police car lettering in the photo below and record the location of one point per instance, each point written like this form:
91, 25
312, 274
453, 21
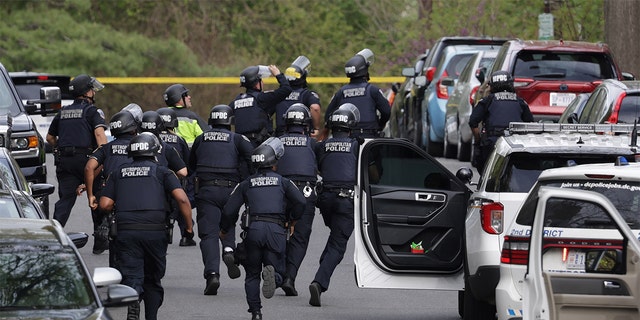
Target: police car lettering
216, 136
135, 172
264, 181
219, 115
505, 96
148, 125
71, 114
355, 92
294, 141
115, 124
294, 96
336, 146
243, 103
119, 149
140, 146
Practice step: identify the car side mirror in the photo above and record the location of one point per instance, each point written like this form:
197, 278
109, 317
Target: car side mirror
50, 101
481, 73
409, 72
41, 189
79, 239
120, 295
420, 81
628, 76
465, 175
573, 118
603, 261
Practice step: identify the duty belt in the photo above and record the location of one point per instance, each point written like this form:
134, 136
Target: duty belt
372, 131
217, 183
342, 192
266, 218
142, 226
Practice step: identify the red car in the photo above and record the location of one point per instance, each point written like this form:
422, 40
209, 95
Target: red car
548, 74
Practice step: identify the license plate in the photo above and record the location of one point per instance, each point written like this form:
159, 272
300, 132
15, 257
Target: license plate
575, 260
560, 99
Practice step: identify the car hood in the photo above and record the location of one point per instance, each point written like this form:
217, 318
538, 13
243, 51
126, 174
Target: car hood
62, 314
21, 122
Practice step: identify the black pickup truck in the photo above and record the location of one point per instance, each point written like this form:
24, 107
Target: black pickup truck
18, 132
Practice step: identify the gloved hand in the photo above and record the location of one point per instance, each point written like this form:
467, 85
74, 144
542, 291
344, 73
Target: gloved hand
477, 155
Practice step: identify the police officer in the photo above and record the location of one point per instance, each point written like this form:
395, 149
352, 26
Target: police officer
496, 111
138, 191
168, 156
265, 194
74, 133
101, 163
190, 124
254, 108
299, 165
167, 135
337, 162
216, 157
297, 76
368, 98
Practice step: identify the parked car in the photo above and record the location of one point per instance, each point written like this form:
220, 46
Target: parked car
457, 133
433, 108
612, 101
578, 243
413, 128
548, 74
44, 276
19, 133
574, 109
399, 126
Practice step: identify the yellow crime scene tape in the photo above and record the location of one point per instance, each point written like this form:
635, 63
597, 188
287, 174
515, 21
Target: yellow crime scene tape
231, 80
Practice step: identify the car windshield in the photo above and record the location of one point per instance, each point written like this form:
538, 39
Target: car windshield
629, 109
8, 103
519, 171
577, 66
624, 195
8, 207
38, 276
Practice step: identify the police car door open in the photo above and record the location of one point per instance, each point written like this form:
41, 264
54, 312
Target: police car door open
409, 219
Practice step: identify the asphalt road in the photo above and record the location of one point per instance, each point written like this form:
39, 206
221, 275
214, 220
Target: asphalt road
184, 284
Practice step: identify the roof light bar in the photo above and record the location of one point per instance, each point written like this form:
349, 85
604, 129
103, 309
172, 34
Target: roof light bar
539, 127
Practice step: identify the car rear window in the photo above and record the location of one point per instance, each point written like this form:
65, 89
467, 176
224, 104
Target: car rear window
518, 172
624, 195
29, 87
577, 66
456, 65
629, 109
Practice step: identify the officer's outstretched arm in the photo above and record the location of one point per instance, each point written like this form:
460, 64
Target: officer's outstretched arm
185, 207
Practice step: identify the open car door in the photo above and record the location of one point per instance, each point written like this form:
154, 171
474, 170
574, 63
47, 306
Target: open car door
579, 274
409, 219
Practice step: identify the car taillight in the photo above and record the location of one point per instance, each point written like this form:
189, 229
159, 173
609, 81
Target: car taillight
613, 118
443, 91
491, 216
473, 94
431, 71
521, 82
515, 250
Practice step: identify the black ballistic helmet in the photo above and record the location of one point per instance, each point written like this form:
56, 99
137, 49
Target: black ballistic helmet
221, 115
83, 83
346, 116
501, 81
169, 117
250, 76
152, 122
175, 93
135, 110
297, 72
297, 115
268, 153
358, 66
144, 145
122, 122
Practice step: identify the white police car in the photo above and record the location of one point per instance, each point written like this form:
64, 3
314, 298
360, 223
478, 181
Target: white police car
589, 273
574, 234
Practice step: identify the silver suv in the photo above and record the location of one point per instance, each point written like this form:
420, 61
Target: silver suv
518, 159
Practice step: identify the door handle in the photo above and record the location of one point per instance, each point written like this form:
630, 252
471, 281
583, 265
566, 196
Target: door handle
612, 285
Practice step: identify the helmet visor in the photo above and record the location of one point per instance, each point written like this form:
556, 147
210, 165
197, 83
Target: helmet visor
96, 85
276, 145
367, 54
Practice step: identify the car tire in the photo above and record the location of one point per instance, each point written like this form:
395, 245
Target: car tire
475, 309
449, 149
463, 149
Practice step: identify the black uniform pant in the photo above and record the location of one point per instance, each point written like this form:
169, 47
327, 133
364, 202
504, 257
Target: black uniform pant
142, 258
70, 174
266, 245
299, 241
337, 213
210, 201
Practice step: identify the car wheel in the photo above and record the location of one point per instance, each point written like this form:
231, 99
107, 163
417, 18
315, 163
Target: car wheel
464, 149
449, 149
432, 148
475, 309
